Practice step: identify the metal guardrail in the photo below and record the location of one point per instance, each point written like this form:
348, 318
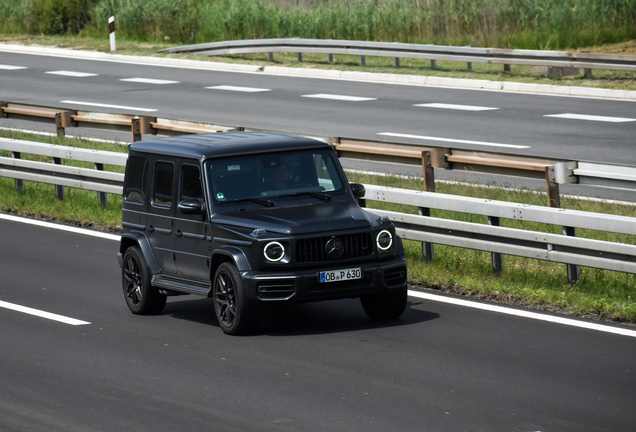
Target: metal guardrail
553, 171
506, 57
565, 249
492, 238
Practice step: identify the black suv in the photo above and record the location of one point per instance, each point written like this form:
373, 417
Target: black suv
249, 219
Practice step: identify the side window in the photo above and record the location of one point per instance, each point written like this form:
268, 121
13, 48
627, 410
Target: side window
164, 173
191, 182
134, 187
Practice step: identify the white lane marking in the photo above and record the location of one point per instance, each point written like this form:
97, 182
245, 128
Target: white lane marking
524, 314
418, 294
42, 314
239, 89
71, 73
456, 107
108, 106
10, 67
149, 81
339, 97
60, 227
429, 138
592, 118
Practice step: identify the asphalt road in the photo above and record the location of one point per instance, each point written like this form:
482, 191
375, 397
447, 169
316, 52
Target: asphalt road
315, 367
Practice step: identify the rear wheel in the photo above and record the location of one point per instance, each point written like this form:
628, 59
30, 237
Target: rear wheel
236, 314
141, 297
389, 305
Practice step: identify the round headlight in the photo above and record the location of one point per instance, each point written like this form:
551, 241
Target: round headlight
274, 251
384, 240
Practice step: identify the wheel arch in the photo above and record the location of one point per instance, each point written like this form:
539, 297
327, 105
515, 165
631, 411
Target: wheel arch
141, 241
229, 254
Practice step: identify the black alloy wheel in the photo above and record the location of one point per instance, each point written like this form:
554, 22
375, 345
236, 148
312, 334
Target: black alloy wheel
141, 297
236, 314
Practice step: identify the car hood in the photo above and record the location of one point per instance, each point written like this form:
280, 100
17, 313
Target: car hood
298, 219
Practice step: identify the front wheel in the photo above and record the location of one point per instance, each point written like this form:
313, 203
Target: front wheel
236, 314
389, 305
141, 297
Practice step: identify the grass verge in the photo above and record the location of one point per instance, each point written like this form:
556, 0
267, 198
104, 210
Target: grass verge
600, 294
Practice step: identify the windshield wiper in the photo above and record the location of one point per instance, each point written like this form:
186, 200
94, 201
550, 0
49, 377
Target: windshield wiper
260, 201
318, 195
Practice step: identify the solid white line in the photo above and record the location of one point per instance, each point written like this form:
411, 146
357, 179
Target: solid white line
60, 227
71, 73
9, 67
339, 97
592, 118
456, 107
239, 89
524, 314
429, 138
108, 106
42, 314
149, 81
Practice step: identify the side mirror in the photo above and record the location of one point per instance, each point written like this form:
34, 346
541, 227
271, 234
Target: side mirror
191, 206
358, 190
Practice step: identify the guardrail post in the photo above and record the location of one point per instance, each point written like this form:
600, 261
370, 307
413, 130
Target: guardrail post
554, 199
363, 60
587, 73
427, 248
135, 127
432, 64
271, 56
396, 62
573, 269
2, 113
497, 258
507, 68
19, 183
102, 198
59, 190
59, 125
300, 56
428, 172
469, 66
330, 58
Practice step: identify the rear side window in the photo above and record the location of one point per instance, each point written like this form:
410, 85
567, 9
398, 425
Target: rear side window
164, 173
135, 173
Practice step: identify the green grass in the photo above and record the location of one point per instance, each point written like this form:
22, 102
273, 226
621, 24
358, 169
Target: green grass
534, 283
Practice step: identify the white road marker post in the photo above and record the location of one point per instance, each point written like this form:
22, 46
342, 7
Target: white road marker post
111, 25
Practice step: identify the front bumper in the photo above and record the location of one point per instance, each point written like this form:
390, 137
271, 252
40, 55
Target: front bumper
304, 286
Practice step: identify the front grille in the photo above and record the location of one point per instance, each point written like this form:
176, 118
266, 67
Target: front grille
313, 250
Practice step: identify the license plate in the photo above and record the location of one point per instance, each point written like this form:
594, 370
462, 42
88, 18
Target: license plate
340, 275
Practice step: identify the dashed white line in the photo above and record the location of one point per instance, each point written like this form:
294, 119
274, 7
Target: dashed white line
592, 118
95, 104
42, 314
430, 138
456, 107
239, 89
10, 67
339, 97
149, 81
71, 73
525, 314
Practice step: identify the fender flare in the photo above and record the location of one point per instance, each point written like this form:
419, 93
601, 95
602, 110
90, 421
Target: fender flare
230, 253
134, 238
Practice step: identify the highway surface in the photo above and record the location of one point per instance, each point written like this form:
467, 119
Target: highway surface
315, 367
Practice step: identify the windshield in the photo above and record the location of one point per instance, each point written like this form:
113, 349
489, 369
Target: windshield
276, 175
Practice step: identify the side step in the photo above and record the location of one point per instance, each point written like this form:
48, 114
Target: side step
175, 286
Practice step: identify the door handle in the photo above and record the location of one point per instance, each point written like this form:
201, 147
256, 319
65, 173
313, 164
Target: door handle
151, 229
178, 233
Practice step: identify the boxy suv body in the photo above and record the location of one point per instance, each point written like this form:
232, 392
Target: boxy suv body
249, 219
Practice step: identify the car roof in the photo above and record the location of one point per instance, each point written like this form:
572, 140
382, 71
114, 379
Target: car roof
203, 146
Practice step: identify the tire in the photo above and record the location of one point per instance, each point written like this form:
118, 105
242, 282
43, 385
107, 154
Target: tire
389, 305
141, 297
236, 314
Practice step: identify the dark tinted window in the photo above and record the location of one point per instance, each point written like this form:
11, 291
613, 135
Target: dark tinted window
164, 173
135, 171
191, 182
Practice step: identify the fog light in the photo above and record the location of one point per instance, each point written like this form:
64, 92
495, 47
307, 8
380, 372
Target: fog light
274, 251
384, 240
